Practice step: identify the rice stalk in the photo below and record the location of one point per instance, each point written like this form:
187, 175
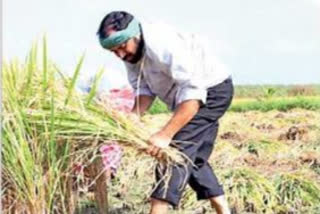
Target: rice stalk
297, 192
248, 191
48, 126
93, 89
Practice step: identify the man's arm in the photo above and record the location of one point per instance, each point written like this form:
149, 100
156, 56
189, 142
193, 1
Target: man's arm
142, 103
184, 113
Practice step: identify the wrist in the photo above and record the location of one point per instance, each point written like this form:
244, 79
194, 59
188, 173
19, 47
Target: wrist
167, 132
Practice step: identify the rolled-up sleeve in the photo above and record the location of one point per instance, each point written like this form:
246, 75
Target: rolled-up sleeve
190, 84
191, 93
139, 87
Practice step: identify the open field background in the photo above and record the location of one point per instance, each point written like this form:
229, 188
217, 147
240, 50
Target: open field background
268, 163
262, 104
259, 91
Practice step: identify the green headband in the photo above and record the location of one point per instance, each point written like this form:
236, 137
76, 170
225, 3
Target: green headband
121, 36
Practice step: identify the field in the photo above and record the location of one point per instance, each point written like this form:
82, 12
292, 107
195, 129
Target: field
259, 104
268, 163
267, 154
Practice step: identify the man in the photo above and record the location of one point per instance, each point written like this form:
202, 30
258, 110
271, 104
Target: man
176, 68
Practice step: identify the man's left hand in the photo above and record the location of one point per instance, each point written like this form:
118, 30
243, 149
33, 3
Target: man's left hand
157, 142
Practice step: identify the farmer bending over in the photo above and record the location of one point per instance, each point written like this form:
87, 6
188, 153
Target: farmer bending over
178, 69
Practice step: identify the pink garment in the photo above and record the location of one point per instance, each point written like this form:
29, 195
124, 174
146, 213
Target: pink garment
111, 156
122, 99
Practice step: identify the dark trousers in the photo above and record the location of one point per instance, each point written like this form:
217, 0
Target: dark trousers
201, 131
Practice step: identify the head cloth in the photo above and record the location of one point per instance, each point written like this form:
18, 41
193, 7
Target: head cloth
119, 37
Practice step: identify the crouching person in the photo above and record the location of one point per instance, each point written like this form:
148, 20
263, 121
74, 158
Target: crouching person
178, 69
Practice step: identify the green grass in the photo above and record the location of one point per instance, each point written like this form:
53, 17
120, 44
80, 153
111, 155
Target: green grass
280, 104
158, 107
263, 105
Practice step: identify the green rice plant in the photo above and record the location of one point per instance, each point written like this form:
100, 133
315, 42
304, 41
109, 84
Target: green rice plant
248, 191
29, 163
297, 192
47, 126
94, 86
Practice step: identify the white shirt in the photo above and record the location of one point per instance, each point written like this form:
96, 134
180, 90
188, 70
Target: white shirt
175, 67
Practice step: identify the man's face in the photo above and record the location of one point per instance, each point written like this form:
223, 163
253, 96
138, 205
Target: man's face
127, 50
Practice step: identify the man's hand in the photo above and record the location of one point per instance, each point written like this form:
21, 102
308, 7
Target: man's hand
158, 141
184, 113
